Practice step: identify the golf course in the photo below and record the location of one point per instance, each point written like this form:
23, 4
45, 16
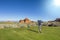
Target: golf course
48, 33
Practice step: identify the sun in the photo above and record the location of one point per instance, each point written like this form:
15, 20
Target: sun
56, 2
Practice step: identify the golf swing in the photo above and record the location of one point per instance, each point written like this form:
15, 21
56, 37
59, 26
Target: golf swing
39, 25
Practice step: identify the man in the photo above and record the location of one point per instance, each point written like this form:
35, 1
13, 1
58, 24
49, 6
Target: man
39, 25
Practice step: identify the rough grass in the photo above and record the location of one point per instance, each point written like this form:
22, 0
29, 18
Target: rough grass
48, 33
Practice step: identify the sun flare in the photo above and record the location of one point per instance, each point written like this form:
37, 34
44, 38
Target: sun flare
56, 2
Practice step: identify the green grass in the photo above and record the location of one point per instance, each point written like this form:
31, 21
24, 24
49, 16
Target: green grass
48, 33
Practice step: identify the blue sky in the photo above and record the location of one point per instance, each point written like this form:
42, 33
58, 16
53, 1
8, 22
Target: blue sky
15, 10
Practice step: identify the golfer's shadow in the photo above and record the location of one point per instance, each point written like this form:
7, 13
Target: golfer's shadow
33, 30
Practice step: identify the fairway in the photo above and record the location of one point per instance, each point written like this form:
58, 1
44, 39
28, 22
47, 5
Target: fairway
48, 33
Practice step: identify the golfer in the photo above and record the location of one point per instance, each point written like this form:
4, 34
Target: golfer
39, 25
